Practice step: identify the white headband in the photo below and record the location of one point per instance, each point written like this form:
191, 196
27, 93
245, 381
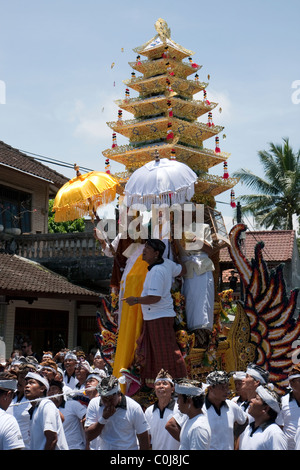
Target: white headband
294, 376
268, 398
256, 375
164, 379
8, 384
39, 378
185, 389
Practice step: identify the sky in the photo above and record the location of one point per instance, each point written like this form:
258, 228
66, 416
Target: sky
58, 87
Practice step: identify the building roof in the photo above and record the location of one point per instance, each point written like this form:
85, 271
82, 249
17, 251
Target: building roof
19, 161
279, 246
20, 277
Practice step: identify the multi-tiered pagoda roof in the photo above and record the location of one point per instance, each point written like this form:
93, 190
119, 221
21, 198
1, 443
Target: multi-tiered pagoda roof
166, 115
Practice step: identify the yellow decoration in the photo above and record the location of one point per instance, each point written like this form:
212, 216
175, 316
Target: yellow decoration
83, 194
131, 318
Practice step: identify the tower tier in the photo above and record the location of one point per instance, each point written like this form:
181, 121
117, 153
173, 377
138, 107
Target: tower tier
154, 106
197, 159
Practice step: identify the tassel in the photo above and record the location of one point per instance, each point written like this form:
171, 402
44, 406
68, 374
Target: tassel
127, 94
193, 63
170, 110
169, 69
225, 175
156, 155
132, 75
107, 166
173, 155
205, 97
217, 149
120, 117
114, 141
232, 199
169, 88
138, 62
196, 77
210, 123
166, 52
170, 134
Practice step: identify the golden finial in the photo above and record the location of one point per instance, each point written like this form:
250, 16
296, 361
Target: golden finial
162, 28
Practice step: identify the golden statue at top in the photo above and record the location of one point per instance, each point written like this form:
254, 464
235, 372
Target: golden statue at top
162, 28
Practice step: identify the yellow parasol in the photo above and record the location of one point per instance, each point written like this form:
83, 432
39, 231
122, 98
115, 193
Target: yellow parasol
83, 195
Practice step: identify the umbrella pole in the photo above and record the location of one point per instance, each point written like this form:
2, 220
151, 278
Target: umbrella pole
107, 240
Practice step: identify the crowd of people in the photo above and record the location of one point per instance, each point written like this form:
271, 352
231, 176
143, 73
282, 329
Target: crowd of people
70, 401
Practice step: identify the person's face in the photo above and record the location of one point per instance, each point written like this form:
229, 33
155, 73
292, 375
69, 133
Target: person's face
219, 392
149, 254
49, 374
81, 373
183, 406
238, 385
26, 348
98, 362
54, 390
33, 389
70, 365
111, 400
163, 389
295, 385
257, 407
249, 385
6, 399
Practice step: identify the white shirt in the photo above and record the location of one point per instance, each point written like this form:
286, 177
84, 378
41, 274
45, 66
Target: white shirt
195, 434
46, 417
265, 437
289, 417
222, 437
158, 282
73, 412
20, 411
161, 439
120, 431
297, 437
71, 381
10, 434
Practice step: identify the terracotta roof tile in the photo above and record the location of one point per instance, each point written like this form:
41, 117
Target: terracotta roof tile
20, 161
19, 276
279, 245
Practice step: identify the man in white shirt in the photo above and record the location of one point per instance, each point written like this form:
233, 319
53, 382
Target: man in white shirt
70, 362
263, 433
118, 420
73, 413
290, 407
157, 346
158, 414
222, 413
46, 429
10, 434
195, 432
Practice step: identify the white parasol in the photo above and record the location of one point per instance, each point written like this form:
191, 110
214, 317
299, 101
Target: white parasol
160, 182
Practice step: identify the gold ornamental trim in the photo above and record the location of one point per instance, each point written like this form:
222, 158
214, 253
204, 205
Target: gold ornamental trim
142, 107
149, 68
213, 185
181, 86
196, 159
190, 133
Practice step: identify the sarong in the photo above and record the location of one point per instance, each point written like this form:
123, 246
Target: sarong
158, 349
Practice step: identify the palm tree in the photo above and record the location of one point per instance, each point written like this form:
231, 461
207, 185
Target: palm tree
277, 195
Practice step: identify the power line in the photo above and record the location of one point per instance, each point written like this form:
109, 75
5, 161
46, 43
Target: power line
54, 161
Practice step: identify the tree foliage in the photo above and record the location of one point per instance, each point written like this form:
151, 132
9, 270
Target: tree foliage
77, 225
276, 196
